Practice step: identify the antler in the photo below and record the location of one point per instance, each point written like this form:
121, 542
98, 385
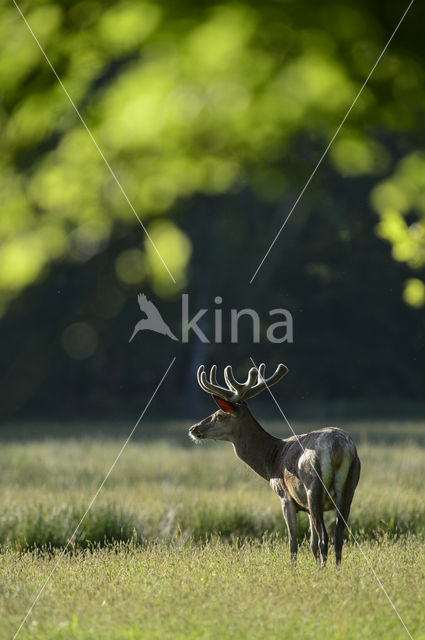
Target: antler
212, 386
239, 391
265, 383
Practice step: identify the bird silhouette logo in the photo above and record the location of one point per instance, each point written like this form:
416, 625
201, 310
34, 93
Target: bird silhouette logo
153, 321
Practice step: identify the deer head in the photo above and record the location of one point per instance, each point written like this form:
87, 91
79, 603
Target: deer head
233, 414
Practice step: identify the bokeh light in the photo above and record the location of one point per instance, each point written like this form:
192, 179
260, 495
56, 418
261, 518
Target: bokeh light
79, 340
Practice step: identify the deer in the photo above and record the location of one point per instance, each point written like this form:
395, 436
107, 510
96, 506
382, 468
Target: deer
313, 472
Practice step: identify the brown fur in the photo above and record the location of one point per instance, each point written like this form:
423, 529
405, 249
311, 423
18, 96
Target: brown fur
314, 472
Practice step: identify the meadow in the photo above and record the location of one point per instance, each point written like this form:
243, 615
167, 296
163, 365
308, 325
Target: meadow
184, 541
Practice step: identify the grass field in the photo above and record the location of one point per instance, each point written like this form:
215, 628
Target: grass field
184, 541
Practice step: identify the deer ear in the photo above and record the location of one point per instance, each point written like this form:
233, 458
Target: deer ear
227, 407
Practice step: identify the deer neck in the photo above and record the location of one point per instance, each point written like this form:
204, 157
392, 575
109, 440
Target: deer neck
257, 448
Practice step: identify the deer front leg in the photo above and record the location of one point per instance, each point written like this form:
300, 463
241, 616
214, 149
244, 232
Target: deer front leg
290, 515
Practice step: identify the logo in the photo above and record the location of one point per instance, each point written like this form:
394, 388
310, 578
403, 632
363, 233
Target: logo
153, 321
277, 332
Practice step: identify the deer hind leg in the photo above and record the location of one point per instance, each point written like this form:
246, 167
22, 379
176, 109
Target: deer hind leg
315, 507
314, 541
343, 506
290, 515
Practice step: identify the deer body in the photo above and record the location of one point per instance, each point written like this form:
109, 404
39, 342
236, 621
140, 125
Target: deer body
313, 472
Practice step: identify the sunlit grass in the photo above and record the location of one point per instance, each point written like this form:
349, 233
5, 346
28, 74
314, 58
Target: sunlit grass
164, 490
187, 542
214, 590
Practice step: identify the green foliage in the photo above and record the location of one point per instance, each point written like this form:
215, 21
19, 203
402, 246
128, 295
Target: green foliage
182, 100
400, 196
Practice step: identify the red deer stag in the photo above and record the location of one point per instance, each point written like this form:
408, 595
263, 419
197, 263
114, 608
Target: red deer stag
313, 472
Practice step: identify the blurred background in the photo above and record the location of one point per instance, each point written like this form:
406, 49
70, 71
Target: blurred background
212, 115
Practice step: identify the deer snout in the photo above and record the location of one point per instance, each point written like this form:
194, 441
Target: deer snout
194, 432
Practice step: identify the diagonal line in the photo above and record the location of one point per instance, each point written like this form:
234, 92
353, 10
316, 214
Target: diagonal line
111, 171
330, 143
337, 510
93, 500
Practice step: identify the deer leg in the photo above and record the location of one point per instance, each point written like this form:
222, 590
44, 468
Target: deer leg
314, 545
315, 507
290, 515
343, 507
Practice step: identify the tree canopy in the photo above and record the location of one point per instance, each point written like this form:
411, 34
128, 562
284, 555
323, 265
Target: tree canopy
187, 98
211, 116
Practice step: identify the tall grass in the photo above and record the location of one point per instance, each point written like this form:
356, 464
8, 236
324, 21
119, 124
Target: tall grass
186, 542
169, 489
216, 590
